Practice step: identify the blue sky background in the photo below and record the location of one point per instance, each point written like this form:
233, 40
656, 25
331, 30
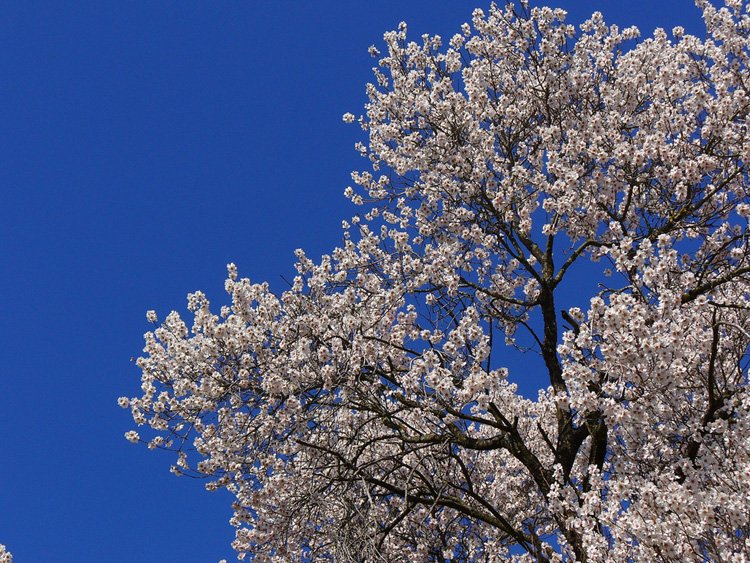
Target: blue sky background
143, 145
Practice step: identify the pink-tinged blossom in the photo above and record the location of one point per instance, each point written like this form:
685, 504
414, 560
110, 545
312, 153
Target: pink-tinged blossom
367, 414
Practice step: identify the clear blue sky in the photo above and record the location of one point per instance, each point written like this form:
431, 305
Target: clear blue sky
143, 145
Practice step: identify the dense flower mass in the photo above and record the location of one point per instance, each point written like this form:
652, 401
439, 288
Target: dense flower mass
368, 413
5, 555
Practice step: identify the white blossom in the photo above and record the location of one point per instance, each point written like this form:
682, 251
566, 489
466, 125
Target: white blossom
364, 414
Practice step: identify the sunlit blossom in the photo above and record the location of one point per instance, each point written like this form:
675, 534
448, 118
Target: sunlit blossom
367, 413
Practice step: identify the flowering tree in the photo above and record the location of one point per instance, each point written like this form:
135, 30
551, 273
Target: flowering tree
367, 413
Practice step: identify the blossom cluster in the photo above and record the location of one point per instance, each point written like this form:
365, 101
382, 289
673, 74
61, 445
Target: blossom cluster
368, 412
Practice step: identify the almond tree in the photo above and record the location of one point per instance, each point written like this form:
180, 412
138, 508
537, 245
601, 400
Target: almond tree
367, 413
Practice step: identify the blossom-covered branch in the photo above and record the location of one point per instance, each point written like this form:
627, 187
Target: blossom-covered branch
368, 413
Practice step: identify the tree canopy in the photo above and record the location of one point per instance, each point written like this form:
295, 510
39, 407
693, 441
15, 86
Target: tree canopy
368, 413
